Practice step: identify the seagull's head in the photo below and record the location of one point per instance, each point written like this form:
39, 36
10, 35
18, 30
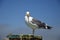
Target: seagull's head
27, 14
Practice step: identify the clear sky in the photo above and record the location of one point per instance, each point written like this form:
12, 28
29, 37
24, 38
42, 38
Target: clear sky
12, 14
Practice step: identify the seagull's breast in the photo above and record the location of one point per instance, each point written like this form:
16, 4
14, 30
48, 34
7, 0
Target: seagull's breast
30, 19
30, 24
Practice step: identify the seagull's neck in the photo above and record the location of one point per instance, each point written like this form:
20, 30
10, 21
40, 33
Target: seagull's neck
28, 18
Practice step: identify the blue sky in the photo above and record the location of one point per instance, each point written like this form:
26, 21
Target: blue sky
12, 14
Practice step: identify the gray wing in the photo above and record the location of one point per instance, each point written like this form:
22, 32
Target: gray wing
39, 23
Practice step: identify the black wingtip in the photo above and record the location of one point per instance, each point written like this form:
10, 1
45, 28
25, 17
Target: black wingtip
48, 27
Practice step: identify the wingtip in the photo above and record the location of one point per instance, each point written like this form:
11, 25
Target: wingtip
49, 27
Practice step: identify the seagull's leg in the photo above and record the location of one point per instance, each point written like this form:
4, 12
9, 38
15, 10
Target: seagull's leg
33, 31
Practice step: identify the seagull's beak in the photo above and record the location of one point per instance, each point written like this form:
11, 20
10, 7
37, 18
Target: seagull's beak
27, 15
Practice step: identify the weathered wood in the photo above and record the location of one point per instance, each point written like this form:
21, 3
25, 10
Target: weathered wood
24, 37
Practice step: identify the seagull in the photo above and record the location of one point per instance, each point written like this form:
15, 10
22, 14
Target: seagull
34, 23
